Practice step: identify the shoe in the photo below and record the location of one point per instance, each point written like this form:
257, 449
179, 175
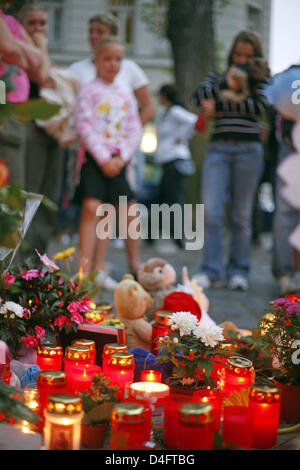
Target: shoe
105, 281
238, 282
205, 282
287, 285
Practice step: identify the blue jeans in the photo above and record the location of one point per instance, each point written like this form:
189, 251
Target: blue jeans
231, 173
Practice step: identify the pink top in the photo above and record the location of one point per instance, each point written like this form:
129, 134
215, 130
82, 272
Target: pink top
107, 121
20, 80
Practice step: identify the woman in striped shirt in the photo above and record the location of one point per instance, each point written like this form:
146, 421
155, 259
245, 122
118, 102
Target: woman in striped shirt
233, 164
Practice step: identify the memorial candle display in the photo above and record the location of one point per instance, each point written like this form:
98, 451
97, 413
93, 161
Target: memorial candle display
49, 357
156, 394
220, 365
237, 428
240, 374
87, 343
49, 382
195, 427
129, 426
76, 355
120, 370
63, 422
214, 398
171, 419
111, 348
264, 407
151, 376
79, 378
160, 327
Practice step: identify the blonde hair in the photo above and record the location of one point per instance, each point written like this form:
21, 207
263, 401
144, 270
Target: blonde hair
109, 20
30, 7
107, 40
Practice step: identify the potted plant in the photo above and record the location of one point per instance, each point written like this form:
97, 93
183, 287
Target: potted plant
281, 333
190, 349
97, 405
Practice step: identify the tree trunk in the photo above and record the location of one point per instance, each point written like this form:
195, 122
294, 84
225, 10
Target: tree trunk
190, 29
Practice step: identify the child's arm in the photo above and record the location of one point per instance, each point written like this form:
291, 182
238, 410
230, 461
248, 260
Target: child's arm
133, 132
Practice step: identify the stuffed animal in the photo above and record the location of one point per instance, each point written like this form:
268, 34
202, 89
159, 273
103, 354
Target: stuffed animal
157, 277
131, 301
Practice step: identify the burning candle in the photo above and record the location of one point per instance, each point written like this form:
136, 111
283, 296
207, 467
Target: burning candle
63, 422
264, 406
87, 343
220, 365
120, 370
129, 426
31, 398
240, 374
111, 348
195, 427
49, 357
94, 316
76, 355
171, 419
160, 327
48, 382
214, 398
237, 428
157, 394
79, 378
151, 376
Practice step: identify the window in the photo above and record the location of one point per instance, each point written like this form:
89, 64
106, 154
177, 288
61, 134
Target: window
124, 10
254, 19
55, 22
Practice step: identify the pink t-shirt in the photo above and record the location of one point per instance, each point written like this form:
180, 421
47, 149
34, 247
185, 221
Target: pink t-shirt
20, 80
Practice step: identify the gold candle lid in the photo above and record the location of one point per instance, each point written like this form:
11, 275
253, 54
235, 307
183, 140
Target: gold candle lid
121, 359
114, 347
105, 308
163, 317
129, 413
239, 364
196, 413
53, 378
62, 404
86, 343
265, 393
77, 353
48, 350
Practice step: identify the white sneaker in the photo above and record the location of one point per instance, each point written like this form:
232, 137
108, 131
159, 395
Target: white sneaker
105, 281
238, 282
205, 282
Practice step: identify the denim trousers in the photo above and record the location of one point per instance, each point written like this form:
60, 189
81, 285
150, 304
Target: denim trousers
231, 174
286, 219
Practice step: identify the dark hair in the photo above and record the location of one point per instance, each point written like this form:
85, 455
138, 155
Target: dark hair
249, 37
170, 92
109, 20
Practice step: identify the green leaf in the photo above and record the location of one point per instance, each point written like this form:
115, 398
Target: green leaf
35, 109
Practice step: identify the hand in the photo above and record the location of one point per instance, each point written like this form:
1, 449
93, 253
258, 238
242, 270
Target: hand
208, 108
113, 166
40, 41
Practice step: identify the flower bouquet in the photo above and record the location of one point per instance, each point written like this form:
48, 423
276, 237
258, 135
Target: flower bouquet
190, 348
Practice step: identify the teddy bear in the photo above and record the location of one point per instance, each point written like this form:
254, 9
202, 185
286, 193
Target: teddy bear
131, 301
157, 277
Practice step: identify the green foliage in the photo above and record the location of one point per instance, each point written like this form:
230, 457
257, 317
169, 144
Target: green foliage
35, 109
11, 405
99, 402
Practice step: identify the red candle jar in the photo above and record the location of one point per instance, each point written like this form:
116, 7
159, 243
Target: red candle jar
31, 398
156, 394
264, 406
120, 370
160, 327
79, 378
148, 415
49, 357
195, 427
76, 355
87, 343
240, 374
111, 348
220, 365
129, 426
95, 317
171, 419
237, 428
151, 376
48, 382
214, 398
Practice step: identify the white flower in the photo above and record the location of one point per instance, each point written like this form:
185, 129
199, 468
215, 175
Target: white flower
185, 322
13, 307
209, 335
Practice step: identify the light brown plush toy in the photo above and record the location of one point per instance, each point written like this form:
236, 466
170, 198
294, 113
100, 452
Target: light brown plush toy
131, 301
157, 277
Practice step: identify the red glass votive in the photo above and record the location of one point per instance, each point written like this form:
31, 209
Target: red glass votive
160, 327
240, 374
128, 426
76, 355
79, 378
151, 376
5, 372
264, 407
171, 419
111, 348
195, 427
157, 395
222, 361
120, 371
214, 398
87, 343
49, 382
49, 357
94, 317
148, 415
237, 428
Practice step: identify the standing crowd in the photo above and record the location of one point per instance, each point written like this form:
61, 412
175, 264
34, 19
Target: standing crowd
112, 103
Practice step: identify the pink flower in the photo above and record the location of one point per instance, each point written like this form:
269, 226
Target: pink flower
30, 274
85, 303
47, 262
39, 332
281, 303
60, 280
26, 313
71, 284
30, 341
9, 278
62, 320
294, 308
76, 318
